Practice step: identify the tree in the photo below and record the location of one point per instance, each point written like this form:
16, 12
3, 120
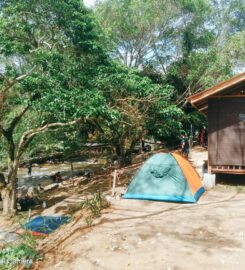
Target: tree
137, 28
191, 44
50, 50
136, 106
229, 20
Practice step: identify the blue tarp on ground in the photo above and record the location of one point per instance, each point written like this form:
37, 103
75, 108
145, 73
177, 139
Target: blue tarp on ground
46, 224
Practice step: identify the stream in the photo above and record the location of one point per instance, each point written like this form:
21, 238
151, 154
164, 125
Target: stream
42, 173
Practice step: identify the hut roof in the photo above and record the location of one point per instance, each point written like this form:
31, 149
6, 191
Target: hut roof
232, 86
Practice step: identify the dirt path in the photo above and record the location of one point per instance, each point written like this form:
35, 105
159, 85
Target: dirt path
148, 235
154, 235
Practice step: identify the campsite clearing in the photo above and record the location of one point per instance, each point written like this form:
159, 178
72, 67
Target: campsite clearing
146, 235
150, 235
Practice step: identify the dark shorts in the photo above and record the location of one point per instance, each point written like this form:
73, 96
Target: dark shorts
186, 150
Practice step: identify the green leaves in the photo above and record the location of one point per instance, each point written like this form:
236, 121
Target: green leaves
59, 41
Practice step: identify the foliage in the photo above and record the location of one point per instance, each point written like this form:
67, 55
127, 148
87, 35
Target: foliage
184, 46
22, 253
136, 27
94, 206
55, 89
56, 71
192, 43
136, 106
18, 255
51, 52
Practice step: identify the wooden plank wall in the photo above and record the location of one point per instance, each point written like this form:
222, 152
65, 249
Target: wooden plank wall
226, 117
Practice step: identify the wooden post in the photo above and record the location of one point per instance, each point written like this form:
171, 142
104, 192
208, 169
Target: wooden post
29, 214
114, 183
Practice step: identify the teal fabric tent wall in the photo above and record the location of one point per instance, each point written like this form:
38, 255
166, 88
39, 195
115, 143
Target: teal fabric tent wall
160, 178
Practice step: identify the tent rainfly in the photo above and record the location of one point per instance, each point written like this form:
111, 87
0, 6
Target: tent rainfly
166, 177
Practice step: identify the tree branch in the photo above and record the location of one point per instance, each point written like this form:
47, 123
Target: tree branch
1, 131
16, 80
17, 119
29, 135
4, 77
9, 137
150, 100
11, 83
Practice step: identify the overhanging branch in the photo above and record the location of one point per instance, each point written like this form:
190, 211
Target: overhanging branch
17, 119
11, 83
29, 135
1, 131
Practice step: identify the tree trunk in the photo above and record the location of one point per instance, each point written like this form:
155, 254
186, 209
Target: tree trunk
13, 198
6, 198
120, 154
8, 193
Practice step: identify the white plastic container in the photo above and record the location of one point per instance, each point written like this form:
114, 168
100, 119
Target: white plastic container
209, 180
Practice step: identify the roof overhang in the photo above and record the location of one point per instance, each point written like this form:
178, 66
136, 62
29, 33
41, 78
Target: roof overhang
232, 86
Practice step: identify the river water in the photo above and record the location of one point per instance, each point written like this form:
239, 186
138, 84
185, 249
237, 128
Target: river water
42, 174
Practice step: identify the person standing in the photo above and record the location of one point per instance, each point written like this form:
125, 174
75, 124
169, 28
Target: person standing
185, 145
29, 167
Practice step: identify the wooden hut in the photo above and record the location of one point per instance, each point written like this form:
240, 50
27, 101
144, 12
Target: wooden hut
224, 104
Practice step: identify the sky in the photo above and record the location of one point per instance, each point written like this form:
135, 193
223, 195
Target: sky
89, 3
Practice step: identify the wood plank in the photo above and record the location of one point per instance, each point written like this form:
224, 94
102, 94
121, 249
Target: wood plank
228, 171
226, 132
230, 96
240, 78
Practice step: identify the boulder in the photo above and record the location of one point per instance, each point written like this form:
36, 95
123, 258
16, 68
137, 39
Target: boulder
51, 187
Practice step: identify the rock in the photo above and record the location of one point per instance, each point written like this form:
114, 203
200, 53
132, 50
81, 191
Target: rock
44, 204
80, 181
93, 161
30, 192
27, 203
108, 198
51, 187
8, 237
12, 237
39, 188
115, 247
97, 262
63, 185
57, 265
22, 192
241, 235
88, 173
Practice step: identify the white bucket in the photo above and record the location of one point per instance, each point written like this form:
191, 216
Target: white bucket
209, 180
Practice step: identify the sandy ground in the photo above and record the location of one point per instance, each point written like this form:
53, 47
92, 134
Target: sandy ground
155, 235
148, 235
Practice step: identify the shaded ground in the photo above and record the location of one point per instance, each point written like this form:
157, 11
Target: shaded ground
150, 235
